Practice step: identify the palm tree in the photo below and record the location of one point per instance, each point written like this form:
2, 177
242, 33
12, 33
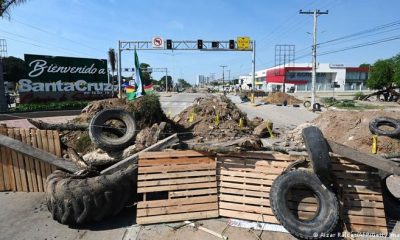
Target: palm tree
6, 4
112, 59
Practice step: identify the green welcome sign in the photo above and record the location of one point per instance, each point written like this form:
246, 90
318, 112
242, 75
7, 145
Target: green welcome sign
55, 78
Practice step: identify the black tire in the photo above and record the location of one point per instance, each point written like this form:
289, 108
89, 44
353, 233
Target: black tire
327, 216
73, 200
296, 105
96, 130
391, 203
307, 104
316, 107
318, 151
375, 123
279, 105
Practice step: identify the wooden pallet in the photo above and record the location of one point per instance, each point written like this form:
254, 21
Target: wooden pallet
22, 173
176, 186
244, 182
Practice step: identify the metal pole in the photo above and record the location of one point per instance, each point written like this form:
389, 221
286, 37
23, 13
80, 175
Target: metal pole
314, 60
254, 69
3, 100
119, 70
108, 75
166, 79
223, 78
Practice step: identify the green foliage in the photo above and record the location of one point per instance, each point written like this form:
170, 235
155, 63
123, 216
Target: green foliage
328, 101
183, 83
5, 6
345, 104
162, 82
67, 105
83, 142
147, 110
381, 75
367, 65
146, 75
14, 68
359, 96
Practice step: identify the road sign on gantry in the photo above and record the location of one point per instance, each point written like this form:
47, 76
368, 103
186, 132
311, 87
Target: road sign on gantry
157, 42
243, 43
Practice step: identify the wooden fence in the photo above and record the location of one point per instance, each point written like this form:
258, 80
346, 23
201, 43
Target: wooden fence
22, 173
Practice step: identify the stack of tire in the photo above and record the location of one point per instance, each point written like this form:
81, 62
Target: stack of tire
76, 198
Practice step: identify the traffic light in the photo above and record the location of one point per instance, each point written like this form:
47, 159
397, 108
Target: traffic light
199, 44
169, 44
215, 44
231, 44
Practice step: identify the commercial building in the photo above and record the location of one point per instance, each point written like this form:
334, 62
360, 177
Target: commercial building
298, 77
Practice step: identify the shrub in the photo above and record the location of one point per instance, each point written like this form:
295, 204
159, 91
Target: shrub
359, 96
328, 100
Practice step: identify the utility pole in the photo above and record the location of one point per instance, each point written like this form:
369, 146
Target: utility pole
166, 80
3, 99
119, 69
316, 14
223, 77
254, 71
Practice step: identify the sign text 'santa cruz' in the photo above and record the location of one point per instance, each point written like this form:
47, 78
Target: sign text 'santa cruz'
26, 85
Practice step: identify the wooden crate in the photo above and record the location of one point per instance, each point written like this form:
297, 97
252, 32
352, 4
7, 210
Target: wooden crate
244, 182
176, 186
22, 173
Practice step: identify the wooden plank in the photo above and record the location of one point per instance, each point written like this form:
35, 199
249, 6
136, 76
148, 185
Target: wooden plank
28, 168
176, 181
243, 192
260, 169
175, 175
362, 204
178, 217
2, 165
367, 159
52, 150
177, 187
208, 191
244, 186
123, 164
370, 212
174, 161
253, 162
15, 164
246, 208
267, 176
45, 142
177, 202
172, 154
356, 228
31, 162
248, 216
262, 156
37, 162
176, 168
245, 180
42, 164
57, 147
365, 220
247, 200
177, 209
21, 164
7, 163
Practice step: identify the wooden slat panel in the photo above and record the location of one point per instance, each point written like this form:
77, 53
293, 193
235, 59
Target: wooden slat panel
45, 142
243, 186
177, 209
175, 194
176, 168
28, 168
247, 200
243, 192
37, 162
246, 208
368, 228
176, 181
245, 180
248, 174
174, 161
262, 156
171, 154
21, 164
142, 177
178, 201
50, 139
177, 187
259, 169
254, 162
42, 164
15, 164
177, 217
2, 165
57, 147
6, 162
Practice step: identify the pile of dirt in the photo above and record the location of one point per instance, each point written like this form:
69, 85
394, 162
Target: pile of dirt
280, 97
348, 128
214, 118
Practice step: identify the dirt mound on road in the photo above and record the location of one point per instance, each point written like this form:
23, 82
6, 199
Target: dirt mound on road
214, 117
280, 97
350, 128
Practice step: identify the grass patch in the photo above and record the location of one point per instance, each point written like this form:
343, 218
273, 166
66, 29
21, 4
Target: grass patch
67, 105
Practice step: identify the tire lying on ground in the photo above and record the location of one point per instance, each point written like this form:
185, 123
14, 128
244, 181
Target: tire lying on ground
102, 140
327, 215
73, 200
318, 151
375, 123
391, 202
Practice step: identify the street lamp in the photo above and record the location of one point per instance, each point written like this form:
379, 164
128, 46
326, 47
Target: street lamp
223, 77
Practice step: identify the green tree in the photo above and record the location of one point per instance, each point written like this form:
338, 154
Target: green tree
182, 82
14, 69
146, 73
5, 6
162, 82
381, 75
367, 65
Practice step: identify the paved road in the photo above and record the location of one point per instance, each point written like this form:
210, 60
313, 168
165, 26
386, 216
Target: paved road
176, 102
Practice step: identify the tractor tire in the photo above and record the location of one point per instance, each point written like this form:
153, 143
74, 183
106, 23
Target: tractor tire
327, 215
374, 125
318, 151
307, 104
75, 200
316, 107
391, 203
96, 130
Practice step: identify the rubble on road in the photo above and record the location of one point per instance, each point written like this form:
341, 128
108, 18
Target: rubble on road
264, 129
214, 118
280, 97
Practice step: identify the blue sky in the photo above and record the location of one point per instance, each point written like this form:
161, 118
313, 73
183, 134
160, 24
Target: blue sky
88, 28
